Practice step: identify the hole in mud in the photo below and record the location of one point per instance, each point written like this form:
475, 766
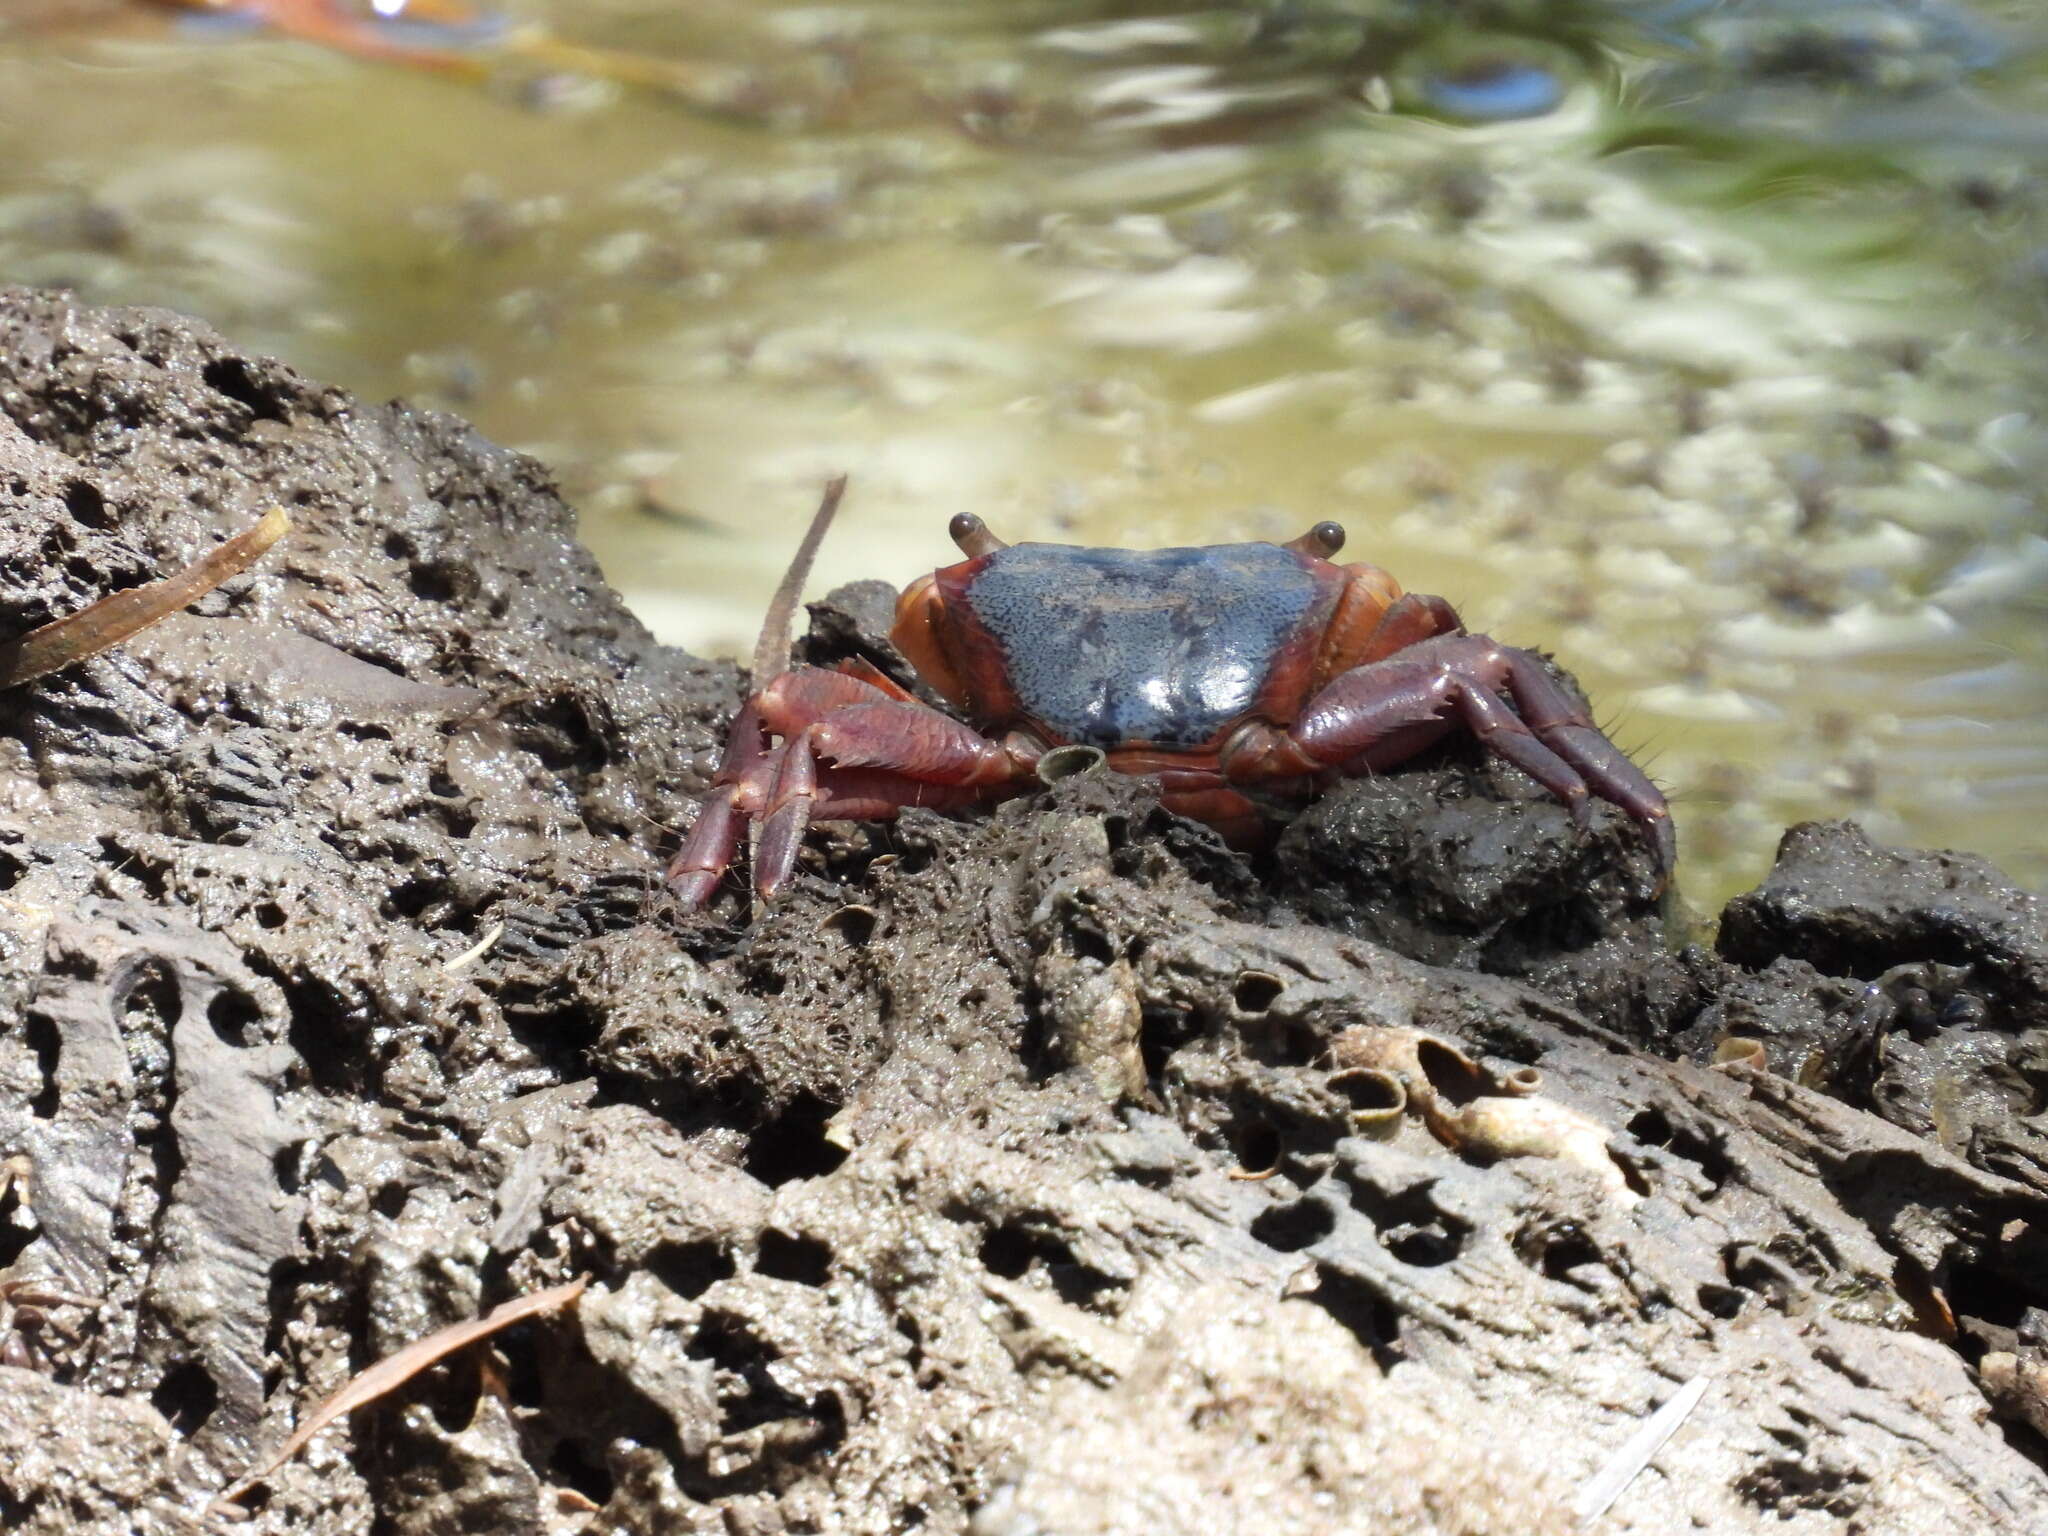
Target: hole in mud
150, 999
1654, 1128
748, 1396
1361, 1311
524, 1383
399, 546
1007, 1251
230, 376
408, 901
1256, 991
390, 1200
802, 1260
1161, 1032
1291, 1228
1423, 1246
560, 732
186, 1396
269, 914
1637, 1181
1409, 1224
11, 871
1258, 1146
320, 1026
82, 499
48, 1047
1090, 944
232, 1013
912, 1336
285, 1164
451, 1391
1722, 1301
690, 1269
439, 581
1556, 1248
1012, 1250
572, 1466
14, 1240
793, 1145
1981, 1293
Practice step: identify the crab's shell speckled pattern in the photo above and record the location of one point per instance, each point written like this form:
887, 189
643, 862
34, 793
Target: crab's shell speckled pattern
1109, 647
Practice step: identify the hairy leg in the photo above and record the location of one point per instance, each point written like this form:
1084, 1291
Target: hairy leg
1378, 714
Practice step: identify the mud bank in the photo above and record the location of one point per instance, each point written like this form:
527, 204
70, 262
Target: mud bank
920, 1203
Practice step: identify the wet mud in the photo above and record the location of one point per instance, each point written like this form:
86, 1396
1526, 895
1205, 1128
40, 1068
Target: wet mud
1051, 1170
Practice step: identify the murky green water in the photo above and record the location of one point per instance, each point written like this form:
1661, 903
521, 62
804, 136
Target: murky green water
1719, 373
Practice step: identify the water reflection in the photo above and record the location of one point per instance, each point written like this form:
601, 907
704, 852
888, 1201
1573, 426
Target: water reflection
1690, 341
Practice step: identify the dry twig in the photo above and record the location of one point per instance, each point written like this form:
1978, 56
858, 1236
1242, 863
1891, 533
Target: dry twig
116, 617
396, 1370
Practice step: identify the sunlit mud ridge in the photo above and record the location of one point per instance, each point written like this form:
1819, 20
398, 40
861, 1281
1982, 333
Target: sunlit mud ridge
1050, 1169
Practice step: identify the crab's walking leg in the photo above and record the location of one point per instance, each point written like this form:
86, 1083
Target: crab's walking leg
916, 745
1562, 721
714, 841
1379, 714
850, 750
787, 816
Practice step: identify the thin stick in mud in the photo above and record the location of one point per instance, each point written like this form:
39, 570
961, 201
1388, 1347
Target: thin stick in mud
121, 615
395, 1371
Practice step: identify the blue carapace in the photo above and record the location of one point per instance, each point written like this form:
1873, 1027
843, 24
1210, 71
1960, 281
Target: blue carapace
1116, 647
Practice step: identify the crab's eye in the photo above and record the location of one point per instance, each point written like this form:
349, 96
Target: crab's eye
972, 535
1321, 541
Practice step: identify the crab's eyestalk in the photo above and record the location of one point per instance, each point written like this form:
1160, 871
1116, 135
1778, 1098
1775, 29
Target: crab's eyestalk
973, 537
1070, 763
1321, 541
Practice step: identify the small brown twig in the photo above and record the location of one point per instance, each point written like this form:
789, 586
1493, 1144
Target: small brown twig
395, 1371
120, 615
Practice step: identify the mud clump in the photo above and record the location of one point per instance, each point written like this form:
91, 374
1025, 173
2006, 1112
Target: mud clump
1006, 1177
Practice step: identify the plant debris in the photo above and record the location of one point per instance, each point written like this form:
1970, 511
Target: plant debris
389, 1374
120, 615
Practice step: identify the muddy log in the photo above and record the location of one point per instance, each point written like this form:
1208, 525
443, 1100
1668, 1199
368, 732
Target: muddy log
1049, 1171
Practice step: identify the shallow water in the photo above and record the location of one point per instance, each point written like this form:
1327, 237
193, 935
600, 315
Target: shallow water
1696, 342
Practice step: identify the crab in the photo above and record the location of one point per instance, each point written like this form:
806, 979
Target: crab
1233, 674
